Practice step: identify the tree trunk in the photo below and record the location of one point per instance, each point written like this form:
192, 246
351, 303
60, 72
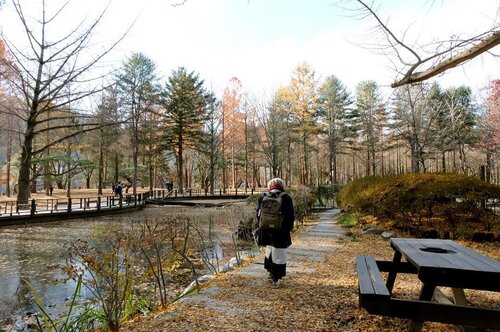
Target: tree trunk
306, 161
101, 166
233, 165
116, 168
223, 137
333, 163
180, 180
135, 157
246, 152
151, 173
443, 161
373, 161
68, 155
9, 156
24, 180
489, 165
212, 171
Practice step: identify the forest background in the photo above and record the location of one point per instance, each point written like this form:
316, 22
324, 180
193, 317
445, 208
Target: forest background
66, 124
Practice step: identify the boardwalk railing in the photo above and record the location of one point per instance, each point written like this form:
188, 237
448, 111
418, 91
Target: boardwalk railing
217, 193
70, 205
48, 206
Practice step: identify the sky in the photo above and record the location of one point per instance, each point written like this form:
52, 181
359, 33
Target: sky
261, 41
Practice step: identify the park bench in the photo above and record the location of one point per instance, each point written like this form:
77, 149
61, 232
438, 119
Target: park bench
373, 294
376, 296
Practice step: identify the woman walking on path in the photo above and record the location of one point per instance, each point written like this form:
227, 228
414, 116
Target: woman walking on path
278, 239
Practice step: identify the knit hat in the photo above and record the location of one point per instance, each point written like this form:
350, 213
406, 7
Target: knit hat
276, 183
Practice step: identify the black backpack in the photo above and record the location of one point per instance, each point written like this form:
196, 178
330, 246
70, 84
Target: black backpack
271, 215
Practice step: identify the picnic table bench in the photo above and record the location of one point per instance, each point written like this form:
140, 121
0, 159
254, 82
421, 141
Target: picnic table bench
436, 263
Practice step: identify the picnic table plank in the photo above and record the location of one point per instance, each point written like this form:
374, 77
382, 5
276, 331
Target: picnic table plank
460, 268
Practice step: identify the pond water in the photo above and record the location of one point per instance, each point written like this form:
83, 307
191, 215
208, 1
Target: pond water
34, 253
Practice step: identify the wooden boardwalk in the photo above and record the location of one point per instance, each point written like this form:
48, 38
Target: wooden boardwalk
87, 203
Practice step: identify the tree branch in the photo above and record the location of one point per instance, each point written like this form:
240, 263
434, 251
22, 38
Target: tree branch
483, 46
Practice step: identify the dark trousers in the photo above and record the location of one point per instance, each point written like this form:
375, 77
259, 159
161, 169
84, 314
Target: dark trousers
277, 270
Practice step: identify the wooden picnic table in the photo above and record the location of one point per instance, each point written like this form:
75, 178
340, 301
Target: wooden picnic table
436, 263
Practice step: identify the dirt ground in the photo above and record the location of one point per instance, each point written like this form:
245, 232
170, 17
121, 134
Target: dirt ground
326, 300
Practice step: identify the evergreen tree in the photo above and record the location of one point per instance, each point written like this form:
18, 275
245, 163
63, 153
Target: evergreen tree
137, 86
303, 91
369, 117
334, 100
185, 101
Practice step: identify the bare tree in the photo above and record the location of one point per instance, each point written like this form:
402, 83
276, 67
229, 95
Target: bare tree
414, 115
416, 64
43, 72
211, 144
271, 135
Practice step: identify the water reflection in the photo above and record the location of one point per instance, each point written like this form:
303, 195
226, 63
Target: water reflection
34, 253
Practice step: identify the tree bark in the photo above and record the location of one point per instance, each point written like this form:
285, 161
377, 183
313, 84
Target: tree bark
180, 180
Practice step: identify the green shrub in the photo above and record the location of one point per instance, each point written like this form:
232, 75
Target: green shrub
414, 198
326, 193
303, 201
348, 220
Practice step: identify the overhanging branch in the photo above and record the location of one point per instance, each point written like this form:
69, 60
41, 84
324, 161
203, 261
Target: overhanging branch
483, 46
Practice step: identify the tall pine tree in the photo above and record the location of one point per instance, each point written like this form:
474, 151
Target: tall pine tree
334, 100
185, 101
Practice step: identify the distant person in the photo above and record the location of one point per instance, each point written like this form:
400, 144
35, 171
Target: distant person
170, 186
113, 187
51, 190
119, 189
275, 215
